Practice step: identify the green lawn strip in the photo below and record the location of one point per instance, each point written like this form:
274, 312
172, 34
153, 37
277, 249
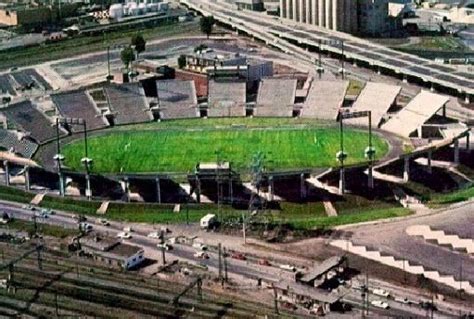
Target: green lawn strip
15, 195
86, 44
71, 205
451, 198
351, 203
44, 229
179, 151
359, 217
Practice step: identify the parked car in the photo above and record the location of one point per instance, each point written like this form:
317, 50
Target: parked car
239, 256
128, 229
85, 227
104, 222
403, 300
200, 246
379, 304
381, 292
124, 235
155, 235
79, 218
288, 267
264, 262
201, 255
164, 246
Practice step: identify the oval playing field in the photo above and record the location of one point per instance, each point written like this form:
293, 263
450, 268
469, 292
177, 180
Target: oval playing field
180, 148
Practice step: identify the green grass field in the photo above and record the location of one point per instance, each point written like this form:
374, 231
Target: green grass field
180, 149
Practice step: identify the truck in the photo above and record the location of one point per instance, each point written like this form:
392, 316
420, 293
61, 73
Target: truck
208, 221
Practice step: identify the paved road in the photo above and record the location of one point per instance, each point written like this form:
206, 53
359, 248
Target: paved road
237, 268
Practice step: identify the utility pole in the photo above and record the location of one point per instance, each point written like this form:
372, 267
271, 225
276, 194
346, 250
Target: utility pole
162, 236
225, 265
219, 247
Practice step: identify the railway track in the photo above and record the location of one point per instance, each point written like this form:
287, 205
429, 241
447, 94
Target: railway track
87, 289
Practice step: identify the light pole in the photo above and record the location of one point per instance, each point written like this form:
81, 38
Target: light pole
341, 156
320, 69
218, 167
370, 153
87, 163
59, 158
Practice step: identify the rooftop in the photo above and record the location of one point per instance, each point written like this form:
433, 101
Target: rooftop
322, 268
308, 291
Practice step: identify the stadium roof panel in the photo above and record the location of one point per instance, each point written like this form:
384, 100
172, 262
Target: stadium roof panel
377, 98
324, 99
419, 110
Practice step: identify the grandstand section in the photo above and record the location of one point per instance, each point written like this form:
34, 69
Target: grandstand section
12, 141
27, 118
376, 98
226, 111
127, 103
30, 78
227, 94
77, 104
324, 99
412, 117
6, 85
176, 99
273, 111
274, 91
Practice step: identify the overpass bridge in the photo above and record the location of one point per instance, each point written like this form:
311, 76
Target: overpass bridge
300, 39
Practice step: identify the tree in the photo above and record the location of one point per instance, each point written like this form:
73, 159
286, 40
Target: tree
139, 43
207, 23
127, 56
181, 61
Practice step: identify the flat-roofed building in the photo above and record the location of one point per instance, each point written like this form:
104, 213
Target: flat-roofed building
112, 251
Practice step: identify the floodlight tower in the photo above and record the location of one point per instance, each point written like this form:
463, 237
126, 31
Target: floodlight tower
59, 159
87, 162
370, 154
341, 156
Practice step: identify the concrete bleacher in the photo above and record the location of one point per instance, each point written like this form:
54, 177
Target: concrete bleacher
6, 85
324, 99
276, 92
416, 113
11, 140
227, 94
127, 103
377, 98
27, 118
273, 111
177, 99
77, 104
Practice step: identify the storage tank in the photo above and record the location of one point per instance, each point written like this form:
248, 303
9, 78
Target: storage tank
116, 11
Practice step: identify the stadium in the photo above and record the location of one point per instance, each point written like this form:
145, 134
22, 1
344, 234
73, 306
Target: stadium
243, 136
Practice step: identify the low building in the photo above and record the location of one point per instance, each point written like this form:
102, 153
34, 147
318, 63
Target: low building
30, 15
320, 273
317, 301
112, 252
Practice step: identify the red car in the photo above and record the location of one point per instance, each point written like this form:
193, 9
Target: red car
239, 256
264, 262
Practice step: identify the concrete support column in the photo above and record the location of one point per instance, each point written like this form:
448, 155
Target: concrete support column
27, 178
378, 71
314, 12
328, 14
321, 11
7, 172
444, 110
302, 186
88, 186
289, 9
370, 174
405, 79
295, 10
231, 190
271, 190
432, 89
468, 142
430, 169
467, 99
342, 181
456, 151
198, 189
158, 190
335, 15
309, 11
406, 169
126, 188
62, 186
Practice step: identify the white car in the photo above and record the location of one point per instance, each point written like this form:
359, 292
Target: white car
200, 246
381, 292
288, 267
379, 304
164, 246
403, 300
124, 235
154, 234
104, 222
201, 255
127, 229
